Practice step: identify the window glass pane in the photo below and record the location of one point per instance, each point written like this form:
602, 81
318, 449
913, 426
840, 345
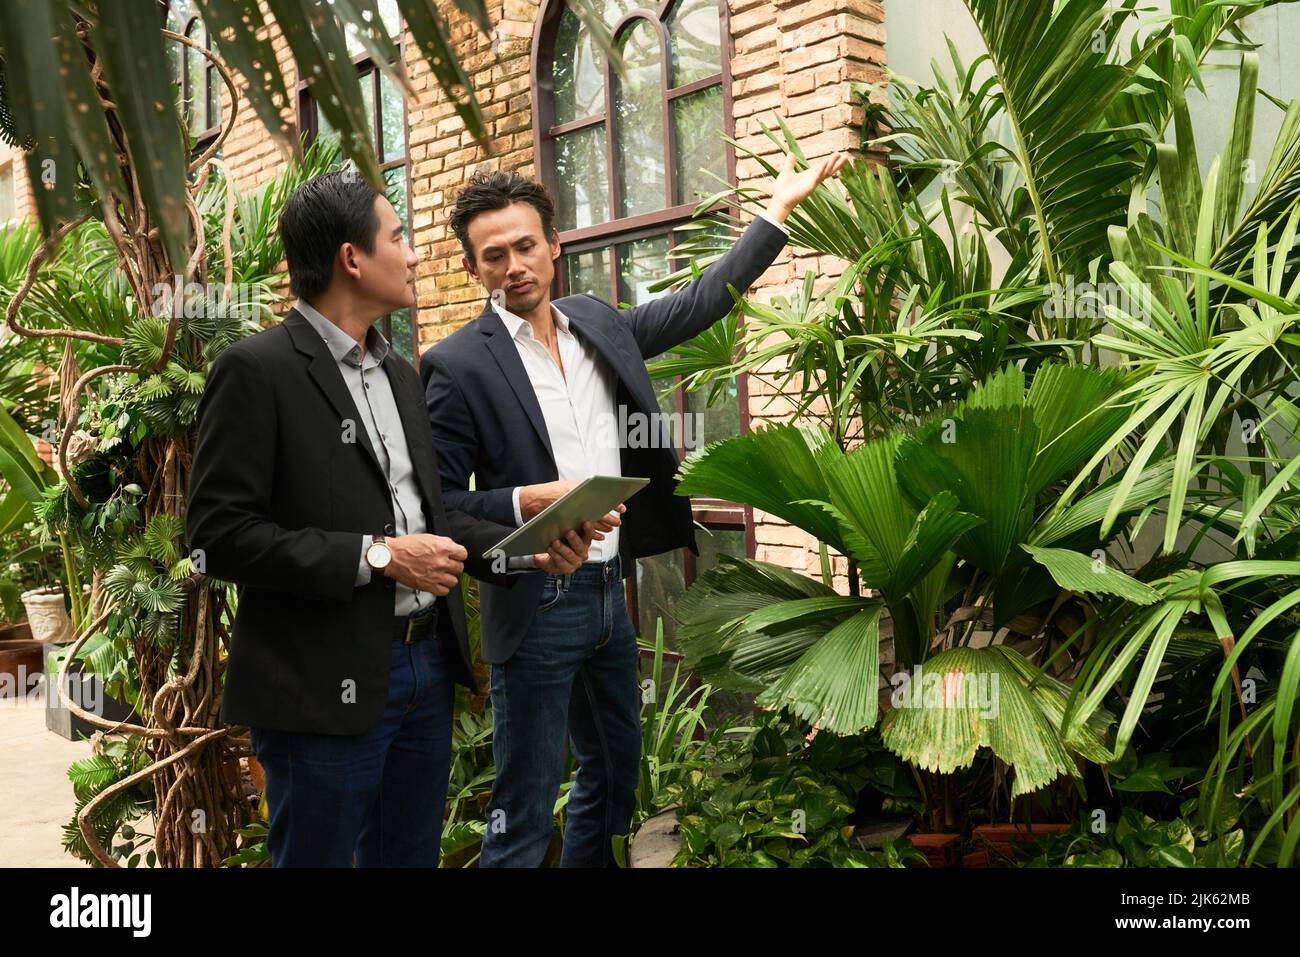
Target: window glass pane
367, 81
196, 68
640, 264
393, 116
639, 135
324, 130
178, 13
396, 180
613, 10
722, 421
583, 178
579, 71
714, 542
694, 36
7, 200
400, 322
388, 14
725, 707
214, 98
700, 147
660, 580
588, 273
658, 590
176, 17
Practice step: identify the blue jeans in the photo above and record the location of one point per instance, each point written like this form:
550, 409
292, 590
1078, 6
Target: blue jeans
576, 669
377, 798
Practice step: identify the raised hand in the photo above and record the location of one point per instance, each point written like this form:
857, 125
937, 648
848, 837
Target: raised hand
793, 186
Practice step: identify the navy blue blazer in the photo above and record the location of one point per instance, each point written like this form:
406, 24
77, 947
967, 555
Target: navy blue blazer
487, 422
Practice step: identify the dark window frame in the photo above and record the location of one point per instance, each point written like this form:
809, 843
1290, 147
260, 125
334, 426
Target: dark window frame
211, 81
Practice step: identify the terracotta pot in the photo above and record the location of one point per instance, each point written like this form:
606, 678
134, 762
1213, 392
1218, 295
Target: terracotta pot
18, 631
939, 849
257, 773
22, 660
993, 844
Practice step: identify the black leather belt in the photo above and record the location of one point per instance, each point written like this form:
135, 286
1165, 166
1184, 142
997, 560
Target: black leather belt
417, 626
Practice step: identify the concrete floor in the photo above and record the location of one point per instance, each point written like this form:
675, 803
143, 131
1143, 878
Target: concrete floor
35, 794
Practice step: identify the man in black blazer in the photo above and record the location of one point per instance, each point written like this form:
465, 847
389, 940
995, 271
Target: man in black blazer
315, 489
523, 398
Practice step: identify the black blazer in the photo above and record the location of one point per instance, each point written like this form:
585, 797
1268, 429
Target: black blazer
278, 502
487, 422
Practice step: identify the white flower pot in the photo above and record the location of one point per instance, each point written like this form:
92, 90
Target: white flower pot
46, 614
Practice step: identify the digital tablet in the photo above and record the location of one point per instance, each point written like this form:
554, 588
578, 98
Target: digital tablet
589, 501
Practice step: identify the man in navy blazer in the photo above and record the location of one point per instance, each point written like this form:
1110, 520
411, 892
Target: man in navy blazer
521, 399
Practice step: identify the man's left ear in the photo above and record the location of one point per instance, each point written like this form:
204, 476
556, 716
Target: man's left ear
347, 256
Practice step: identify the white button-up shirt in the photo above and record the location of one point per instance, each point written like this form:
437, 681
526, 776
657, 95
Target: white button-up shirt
578, 406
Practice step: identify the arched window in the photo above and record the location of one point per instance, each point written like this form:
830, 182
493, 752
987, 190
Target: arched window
628, 158
197, 80
632, 152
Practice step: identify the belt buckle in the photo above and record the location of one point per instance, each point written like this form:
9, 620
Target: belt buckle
420, 621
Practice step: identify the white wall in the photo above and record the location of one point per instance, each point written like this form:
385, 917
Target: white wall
916, 30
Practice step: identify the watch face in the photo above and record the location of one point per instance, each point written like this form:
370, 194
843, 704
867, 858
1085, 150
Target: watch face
378, 555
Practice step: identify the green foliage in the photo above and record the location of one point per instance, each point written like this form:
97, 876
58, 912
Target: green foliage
60, 118
774, 799
145, 582
987, 446
114, 821
1135, 840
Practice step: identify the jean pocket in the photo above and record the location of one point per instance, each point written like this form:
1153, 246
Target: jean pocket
551, 593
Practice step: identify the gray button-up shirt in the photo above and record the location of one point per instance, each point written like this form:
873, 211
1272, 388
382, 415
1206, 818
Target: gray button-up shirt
373, 395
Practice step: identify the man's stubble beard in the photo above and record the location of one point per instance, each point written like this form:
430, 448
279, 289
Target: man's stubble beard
525, 305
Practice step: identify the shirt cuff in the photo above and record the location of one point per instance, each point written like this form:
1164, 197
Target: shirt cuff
772, 219
363, 571
514, 497
521, 563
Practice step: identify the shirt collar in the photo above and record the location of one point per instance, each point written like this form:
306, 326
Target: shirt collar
518, 326
341, 345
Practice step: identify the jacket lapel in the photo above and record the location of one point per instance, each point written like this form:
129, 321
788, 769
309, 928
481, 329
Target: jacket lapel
631, 372
506, 355
324, 371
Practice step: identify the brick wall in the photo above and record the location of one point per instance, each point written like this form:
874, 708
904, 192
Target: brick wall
819, 48
444, 155
24, 205
250, 154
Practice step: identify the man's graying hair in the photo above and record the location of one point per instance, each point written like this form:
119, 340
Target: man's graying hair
490, 190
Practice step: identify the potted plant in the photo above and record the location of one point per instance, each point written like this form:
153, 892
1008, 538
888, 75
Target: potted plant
22, 566
52, 609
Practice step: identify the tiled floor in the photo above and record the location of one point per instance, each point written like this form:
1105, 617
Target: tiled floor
35, 793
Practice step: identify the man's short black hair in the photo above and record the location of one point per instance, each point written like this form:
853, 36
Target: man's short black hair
322, 214
490, 190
